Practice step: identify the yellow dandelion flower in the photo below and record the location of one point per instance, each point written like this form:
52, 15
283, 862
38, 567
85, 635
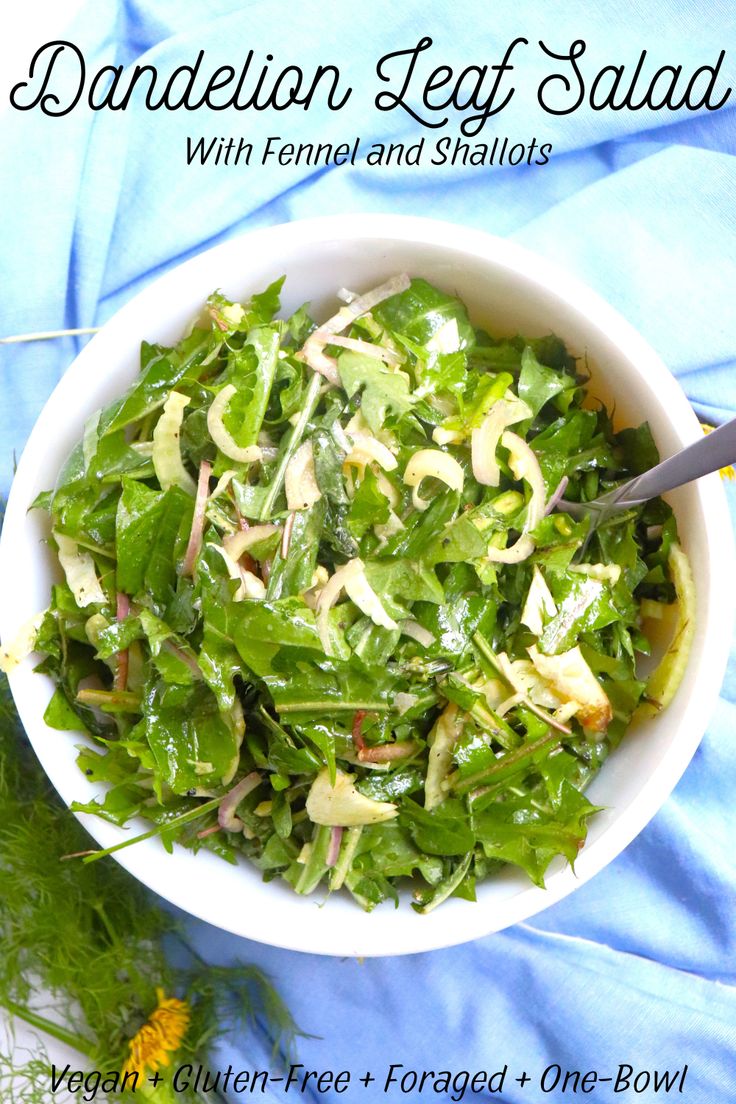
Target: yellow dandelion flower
152, 1046
726, 473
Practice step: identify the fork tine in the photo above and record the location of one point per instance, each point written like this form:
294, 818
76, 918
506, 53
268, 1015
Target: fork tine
578, 510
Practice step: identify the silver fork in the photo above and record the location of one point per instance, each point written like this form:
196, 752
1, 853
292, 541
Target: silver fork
716, 450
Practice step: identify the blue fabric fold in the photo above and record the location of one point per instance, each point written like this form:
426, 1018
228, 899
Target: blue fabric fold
638, 965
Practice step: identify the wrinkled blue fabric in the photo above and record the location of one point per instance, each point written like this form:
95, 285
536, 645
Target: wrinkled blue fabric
638, 966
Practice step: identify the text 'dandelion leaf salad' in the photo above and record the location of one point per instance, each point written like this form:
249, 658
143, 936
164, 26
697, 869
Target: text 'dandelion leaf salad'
320, 609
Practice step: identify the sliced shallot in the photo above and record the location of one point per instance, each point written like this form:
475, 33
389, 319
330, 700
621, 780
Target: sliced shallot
226, 817
357, 731
557, 495
385, 753
188, 660
333, 850
194, 544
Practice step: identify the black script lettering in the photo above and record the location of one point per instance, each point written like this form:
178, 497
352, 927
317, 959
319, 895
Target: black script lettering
46, 100
386, 101
488, 107
577, 49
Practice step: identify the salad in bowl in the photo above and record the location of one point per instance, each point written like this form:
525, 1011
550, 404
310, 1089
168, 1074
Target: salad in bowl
321, 605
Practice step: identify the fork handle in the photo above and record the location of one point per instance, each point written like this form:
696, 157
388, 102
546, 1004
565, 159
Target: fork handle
716, 450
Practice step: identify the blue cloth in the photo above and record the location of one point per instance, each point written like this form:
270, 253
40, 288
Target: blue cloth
638, 965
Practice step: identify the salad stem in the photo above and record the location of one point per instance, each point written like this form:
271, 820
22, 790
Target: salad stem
506, 764
176, 822
35, 1019
310, 402
334, 706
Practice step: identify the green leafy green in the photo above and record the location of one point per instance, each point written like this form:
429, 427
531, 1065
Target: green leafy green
382, 391
422, 311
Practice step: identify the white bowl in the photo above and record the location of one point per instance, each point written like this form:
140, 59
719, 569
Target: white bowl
510, 290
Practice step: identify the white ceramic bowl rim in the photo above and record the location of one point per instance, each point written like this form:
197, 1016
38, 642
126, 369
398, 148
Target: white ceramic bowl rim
235, 899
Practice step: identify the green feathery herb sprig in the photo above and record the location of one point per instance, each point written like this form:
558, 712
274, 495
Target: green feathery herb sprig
92, 939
